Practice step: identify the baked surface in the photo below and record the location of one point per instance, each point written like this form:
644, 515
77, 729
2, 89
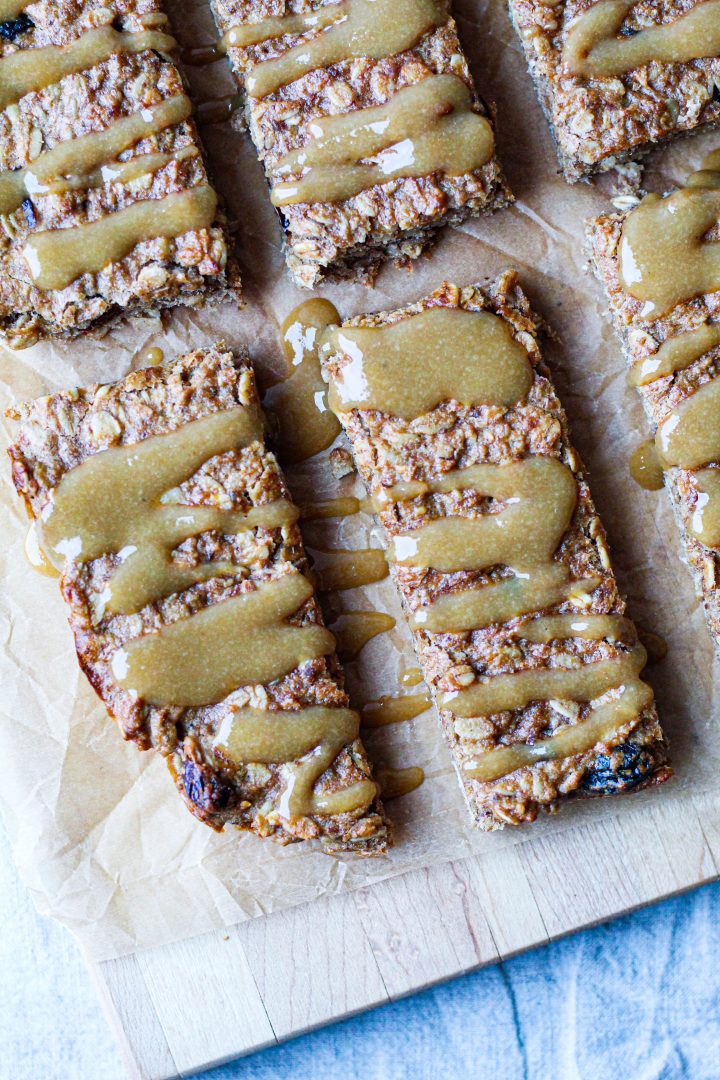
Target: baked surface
640, 338
389, 450
395, 219
190, 269
598, 123
57, 434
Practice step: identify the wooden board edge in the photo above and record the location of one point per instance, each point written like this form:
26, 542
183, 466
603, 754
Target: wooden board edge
134, 1023
206, 1000
503, 903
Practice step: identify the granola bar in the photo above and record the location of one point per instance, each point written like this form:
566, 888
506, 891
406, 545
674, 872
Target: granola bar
105, 203
672, 347
505, 631
616, 78
149, 649
347, 196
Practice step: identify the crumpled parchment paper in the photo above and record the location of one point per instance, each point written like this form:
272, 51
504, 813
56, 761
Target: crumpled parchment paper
99, 834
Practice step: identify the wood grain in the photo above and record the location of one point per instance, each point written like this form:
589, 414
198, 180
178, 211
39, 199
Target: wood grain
313, 964
206, 1000
181, 1008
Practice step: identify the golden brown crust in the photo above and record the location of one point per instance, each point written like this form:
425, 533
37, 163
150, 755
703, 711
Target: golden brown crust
598, 123
394, 219
389, 450
58, 433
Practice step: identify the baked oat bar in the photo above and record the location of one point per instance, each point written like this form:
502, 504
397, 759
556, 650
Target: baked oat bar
105, 203
497, 551
192, 615
364, 115
667, 316
616, 77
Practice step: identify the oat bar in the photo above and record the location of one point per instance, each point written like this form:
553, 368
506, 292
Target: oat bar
667, 315
497, 551
365, 118
105, 203
616, 77
192, 615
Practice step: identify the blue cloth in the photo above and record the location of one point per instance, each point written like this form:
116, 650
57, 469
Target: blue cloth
637, 998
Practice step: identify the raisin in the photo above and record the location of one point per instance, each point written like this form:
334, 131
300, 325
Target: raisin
203, 788
623, 769
13, 28
29, 212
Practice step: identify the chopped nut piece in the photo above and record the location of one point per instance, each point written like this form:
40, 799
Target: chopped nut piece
341, 462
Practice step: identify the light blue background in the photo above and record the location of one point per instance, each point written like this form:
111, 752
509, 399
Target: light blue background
636, 999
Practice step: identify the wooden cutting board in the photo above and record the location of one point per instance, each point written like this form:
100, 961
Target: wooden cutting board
181, 1008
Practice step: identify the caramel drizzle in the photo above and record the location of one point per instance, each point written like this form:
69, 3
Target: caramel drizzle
485, 366
593, 48
705, 518
546, 628
397, 782
541, 495
690, 435
30, 70
535, 500
306, 426
664, 256
242, 641
394, 710
349, 30
514, 691
60, 256
354, 629
154, 356
36, 556
117, 502
411, 677
645, 466
426, 128
602, 725
675, 354
124, 502
311, 738
478, 608
689, 438
78, 158
343, 506
342, 569
665, 259
10, 9
118, 172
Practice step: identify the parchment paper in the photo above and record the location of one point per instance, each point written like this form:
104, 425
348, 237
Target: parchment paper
99, 834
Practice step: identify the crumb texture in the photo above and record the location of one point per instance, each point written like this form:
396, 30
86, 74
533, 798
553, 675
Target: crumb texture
598, 122
191, 267
394, 219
